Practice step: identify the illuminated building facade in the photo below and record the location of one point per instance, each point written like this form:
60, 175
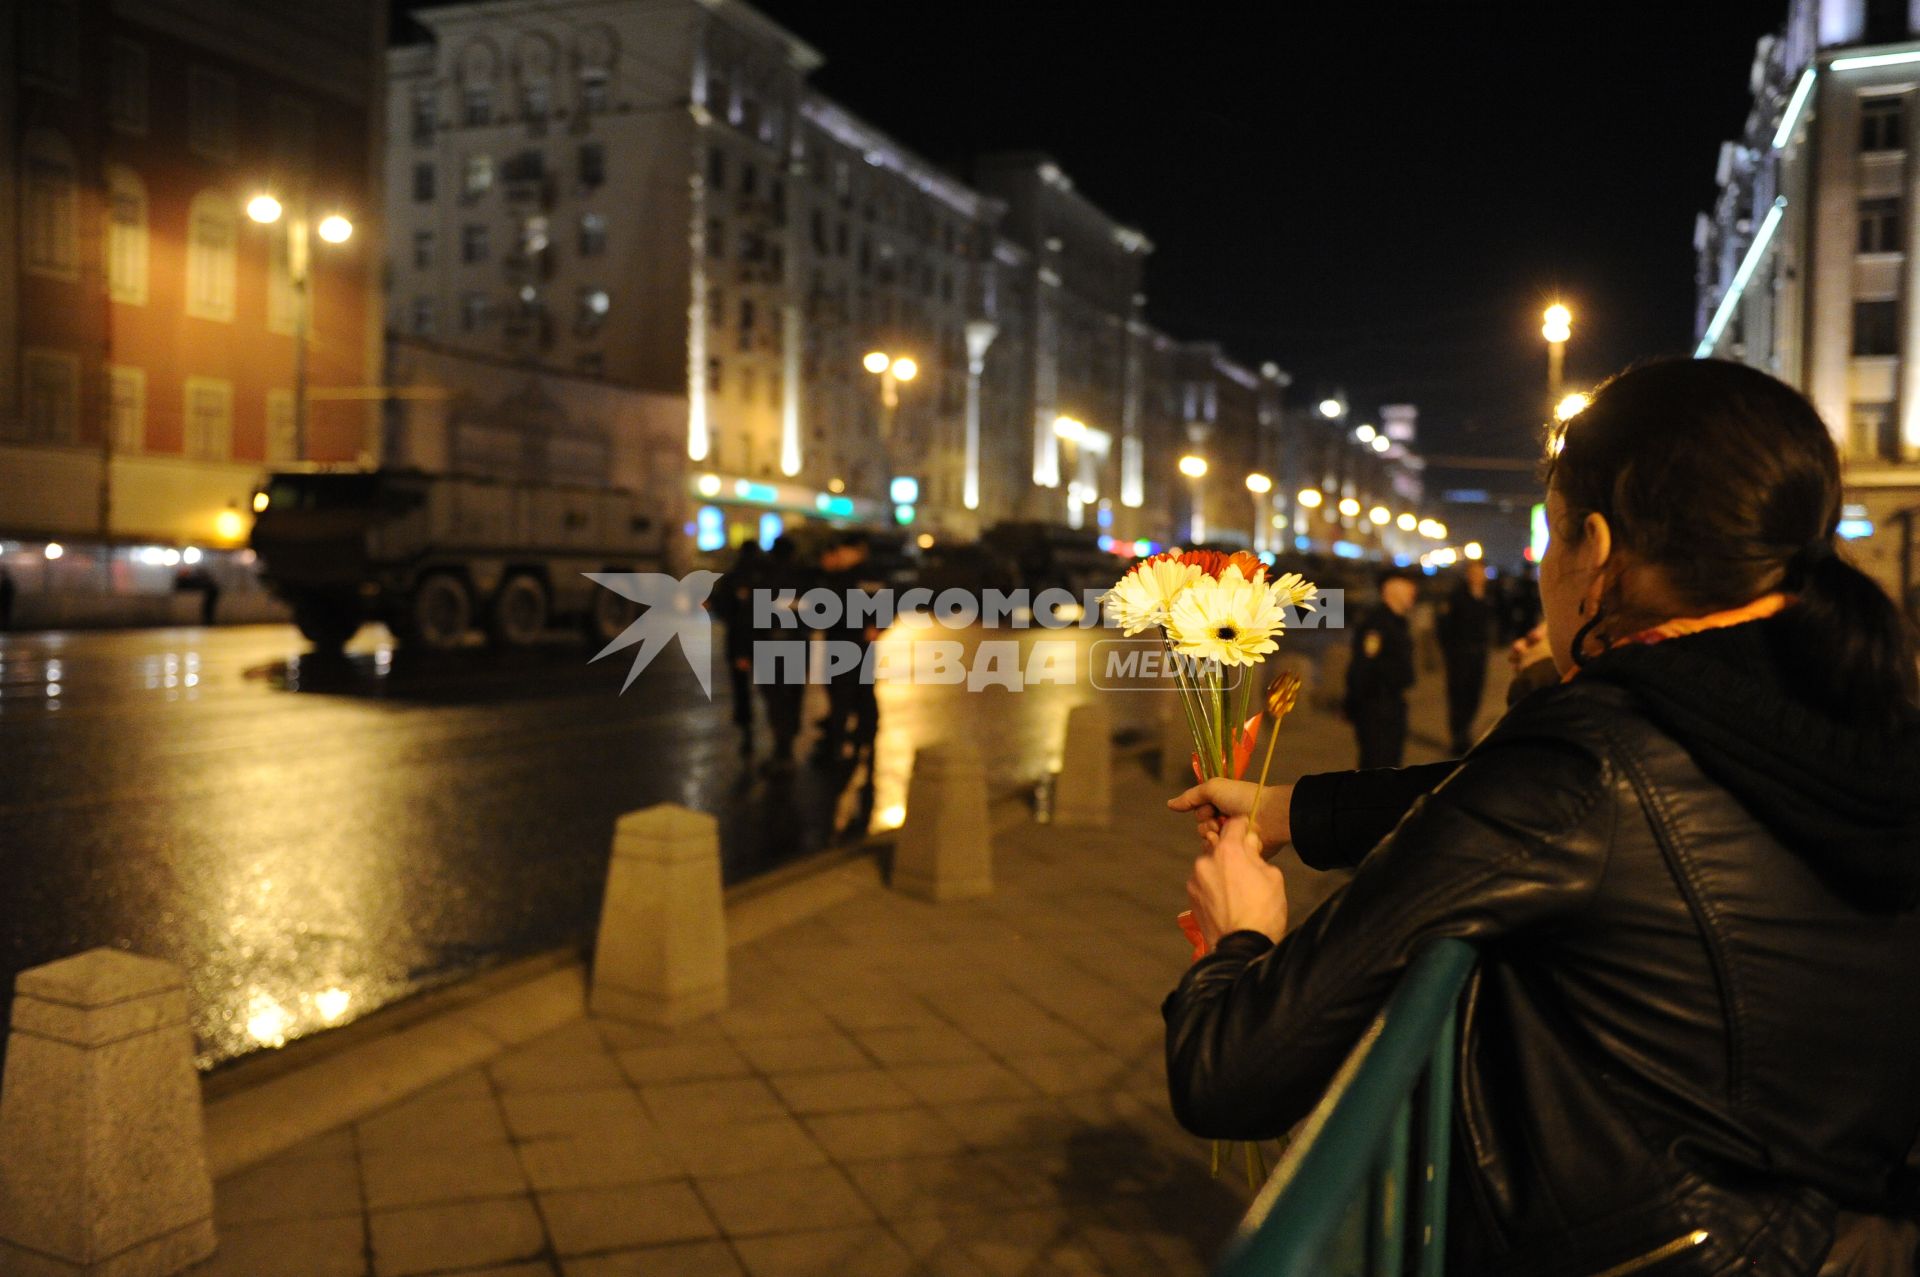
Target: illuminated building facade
147, 325
655, 197
1807, 263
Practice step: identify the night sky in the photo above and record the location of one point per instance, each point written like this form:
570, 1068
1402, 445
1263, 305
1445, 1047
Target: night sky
1376, 195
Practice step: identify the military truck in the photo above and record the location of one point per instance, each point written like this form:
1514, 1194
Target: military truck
438, 556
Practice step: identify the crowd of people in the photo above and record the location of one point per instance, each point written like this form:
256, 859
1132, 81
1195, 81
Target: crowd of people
748, 600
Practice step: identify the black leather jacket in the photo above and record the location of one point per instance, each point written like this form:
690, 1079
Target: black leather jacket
1679, 1025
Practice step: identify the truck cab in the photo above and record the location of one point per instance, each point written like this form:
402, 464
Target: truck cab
436, 557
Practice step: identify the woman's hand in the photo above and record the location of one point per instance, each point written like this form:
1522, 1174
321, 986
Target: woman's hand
1234, 889
1212, 802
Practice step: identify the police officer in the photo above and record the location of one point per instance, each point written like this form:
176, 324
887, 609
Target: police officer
853, 709
1464, 627
781, 689
1381, 672
732, 605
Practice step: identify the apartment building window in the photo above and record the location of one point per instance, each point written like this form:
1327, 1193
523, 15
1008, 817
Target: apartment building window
423, 316
479, 176
422, 250
50, 199
473, 242
716, 238
212, 116
1880, 226
476, 104
593, 164
422, 183
592, 364
714, 376
1876, 328
749, 180
717, 169
594, 96
209, 418
127, 407
1870, 431
536, 101
52, 400
746, 324
50, 44
817, 231
534, 236
593, 234
1882, 122
475, 309
425, 115
126, 236
212, 238
127, 87
594, 304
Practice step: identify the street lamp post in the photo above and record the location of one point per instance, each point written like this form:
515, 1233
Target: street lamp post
892, 370
1194, 466
334, 229
1556, 327
1258, 486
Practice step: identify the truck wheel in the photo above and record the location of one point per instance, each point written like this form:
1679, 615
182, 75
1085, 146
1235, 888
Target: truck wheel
609, 615
326, 625
437, 614
519, 613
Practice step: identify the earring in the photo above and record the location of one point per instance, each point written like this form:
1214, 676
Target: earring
1580, 635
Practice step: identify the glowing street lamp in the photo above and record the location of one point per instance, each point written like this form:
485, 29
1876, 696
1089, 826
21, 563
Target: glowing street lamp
1365, 433
1331, 408
1380, 516
1406, 523
1259, 484
1194, 467
1349, 507
1381, 443
893, 371
1309, 498
334, 228
1473, 550
1570, 406
1556, 327
1069, 428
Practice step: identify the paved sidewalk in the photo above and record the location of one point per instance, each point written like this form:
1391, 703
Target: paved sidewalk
897, 1087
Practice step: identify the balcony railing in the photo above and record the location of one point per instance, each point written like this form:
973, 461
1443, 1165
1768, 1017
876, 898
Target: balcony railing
1363, 1187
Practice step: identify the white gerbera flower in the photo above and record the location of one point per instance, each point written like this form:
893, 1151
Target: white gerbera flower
1231, 620
1293, 590
1142, 598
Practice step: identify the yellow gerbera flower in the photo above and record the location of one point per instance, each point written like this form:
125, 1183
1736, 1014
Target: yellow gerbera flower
1231, 620
1143, 597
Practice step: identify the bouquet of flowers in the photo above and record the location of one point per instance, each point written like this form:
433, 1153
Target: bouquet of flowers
1217, 612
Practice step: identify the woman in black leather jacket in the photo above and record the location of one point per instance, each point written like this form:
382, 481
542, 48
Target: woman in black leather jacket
1692, 1044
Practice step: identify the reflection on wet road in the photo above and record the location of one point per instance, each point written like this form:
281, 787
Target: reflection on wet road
312, 839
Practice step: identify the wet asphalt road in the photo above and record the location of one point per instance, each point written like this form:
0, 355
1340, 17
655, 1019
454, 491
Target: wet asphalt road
313, 839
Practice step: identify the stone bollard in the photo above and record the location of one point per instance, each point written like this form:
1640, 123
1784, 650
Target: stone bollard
103, 1149
945, 850
661, 955
1083, 790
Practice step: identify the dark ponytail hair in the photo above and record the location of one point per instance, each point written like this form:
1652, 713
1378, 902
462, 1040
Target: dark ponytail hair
1727, 480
